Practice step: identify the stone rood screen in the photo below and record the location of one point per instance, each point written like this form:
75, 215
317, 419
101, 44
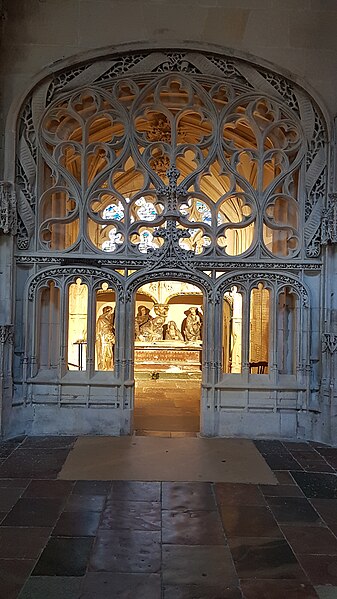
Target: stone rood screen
140, 171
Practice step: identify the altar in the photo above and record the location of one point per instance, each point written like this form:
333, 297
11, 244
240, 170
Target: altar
169, 356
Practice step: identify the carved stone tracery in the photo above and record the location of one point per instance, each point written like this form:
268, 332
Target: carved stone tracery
329, 342
8, 209
329, 221
6, 333
230, 73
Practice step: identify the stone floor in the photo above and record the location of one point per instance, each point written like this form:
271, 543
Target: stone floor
103, 540
167, 405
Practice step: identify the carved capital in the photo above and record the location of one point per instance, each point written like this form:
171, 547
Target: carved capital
329, 342
329, 221
8, 212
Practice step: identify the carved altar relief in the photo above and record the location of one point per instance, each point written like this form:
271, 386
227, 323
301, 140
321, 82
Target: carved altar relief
168, 329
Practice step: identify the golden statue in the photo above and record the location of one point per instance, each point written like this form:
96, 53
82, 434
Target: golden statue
105, 339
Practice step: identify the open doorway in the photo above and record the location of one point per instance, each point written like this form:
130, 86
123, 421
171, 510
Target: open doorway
168, 358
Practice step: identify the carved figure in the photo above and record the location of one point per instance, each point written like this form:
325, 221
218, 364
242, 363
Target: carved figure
172, 332
143, 324
161, 311
191, 326
105, 339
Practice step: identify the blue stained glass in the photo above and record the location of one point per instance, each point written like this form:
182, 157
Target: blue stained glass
146, 210
114, 212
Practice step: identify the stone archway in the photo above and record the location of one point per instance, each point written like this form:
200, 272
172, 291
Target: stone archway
168, 358
171, 160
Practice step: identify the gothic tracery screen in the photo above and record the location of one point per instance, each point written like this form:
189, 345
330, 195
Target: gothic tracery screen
111, 154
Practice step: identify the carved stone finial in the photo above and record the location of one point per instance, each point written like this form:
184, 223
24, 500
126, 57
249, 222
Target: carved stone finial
6, 333
329, 221
8, 213
329, 342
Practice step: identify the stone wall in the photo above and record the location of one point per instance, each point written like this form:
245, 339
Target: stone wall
296, 35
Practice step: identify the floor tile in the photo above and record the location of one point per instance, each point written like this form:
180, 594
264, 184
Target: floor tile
91, 487
126, 551
271, 447
48, 442
318, 467
238, 494
333, 528
52, 587
34, 511
282, 462
321, 486
262, 558
192, 528
320, 569
297, 510
328, 452
13, 574
198, 564
77, 524
284, 477
281, 491
34, 463
201, 591
6, 483
48, 488
310, 540
332, 460
326, 592
277, 589
7, 448
23, 543
131, 515
298, 446
64, 557
248, 521
136, 490
9, 497
308, 453
107, 585
187, 496
327, 509
5, 452
86, 503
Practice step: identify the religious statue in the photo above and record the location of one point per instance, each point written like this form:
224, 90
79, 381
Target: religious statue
143, 324
105, 339
158, 322
191, 326
172, 332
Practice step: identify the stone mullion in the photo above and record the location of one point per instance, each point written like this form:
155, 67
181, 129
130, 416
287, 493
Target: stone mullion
64, 317
273, 334
91, 321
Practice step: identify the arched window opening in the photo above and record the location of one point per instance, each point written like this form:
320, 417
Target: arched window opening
49, 328
259, 330
287, 325
235, 167
232, 331
77, 325
105, 328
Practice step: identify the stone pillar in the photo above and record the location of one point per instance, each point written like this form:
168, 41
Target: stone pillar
329, 337
8, 228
